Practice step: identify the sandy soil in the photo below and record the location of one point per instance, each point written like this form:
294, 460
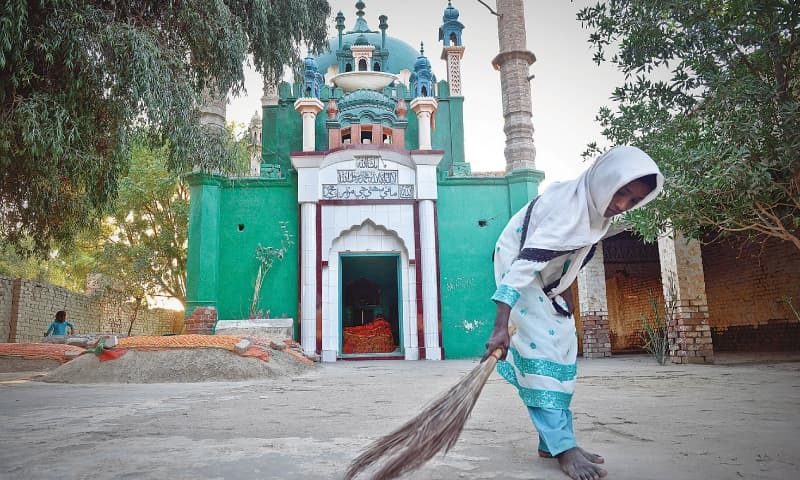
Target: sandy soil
738, 419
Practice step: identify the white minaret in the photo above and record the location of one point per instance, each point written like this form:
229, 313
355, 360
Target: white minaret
254, 132
453, 50
513, 62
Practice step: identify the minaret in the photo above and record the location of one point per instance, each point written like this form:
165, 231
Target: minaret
453, 51
310, 105
254, 133
424, 104
513, 62
212, 110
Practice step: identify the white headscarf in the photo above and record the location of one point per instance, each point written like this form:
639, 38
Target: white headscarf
570, 215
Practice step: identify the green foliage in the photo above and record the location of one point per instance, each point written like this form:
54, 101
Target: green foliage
78, 77
711, 92
267, 256
144, 238
64, 268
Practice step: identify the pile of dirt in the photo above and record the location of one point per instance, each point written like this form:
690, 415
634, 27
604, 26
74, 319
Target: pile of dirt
187, 365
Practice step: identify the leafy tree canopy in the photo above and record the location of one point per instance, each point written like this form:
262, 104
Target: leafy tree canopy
77, 76
711, 92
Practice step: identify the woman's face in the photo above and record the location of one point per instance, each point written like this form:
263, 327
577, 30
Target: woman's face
627, 197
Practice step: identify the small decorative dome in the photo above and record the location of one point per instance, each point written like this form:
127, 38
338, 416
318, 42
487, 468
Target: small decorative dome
422, 61
450, 13
310, 63
361, 40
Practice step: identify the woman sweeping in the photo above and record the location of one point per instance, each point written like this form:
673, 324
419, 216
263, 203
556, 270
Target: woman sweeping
536, 259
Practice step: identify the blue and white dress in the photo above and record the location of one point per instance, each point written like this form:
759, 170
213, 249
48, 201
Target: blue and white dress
541, 360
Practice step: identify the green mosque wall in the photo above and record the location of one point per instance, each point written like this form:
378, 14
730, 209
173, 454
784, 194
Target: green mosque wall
471, 214
228, 220
253, 213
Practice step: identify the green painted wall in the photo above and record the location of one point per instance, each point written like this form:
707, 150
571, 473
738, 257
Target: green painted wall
202, 256
472, 213
253, 210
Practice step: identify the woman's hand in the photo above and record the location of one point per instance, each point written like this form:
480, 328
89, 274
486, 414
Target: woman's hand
500, 337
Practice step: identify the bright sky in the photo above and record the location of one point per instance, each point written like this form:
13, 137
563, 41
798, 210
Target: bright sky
568, 88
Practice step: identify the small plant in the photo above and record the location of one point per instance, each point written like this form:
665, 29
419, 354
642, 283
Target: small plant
267, 256
788, 300
655, 333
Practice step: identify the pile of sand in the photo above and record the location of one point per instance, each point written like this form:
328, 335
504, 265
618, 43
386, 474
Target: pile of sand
176, 365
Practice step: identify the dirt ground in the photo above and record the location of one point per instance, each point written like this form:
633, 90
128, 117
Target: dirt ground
737, 419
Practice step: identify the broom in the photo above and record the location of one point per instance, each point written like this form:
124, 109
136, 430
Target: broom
436, 427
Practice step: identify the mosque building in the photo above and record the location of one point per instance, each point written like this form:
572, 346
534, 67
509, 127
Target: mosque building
371, 231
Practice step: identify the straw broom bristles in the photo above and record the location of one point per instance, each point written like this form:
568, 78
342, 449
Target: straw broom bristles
435, 428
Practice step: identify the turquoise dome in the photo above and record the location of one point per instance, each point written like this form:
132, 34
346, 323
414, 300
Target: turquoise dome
422, 62
450, 13
401, 55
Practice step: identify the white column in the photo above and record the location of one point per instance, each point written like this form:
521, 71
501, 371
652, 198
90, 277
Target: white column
424, 107
309, 135
424, 120
308, 277
308, 108
430, 292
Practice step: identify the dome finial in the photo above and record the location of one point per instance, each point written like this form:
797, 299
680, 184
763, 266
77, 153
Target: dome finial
421, 49
361, 23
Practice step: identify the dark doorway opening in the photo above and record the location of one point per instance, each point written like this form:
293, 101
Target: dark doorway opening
370, 304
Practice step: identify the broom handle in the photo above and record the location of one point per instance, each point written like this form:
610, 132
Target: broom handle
496, 355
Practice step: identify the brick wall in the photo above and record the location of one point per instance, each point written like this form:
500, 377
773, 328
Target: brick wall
6, 299
628, 289
103, 312
201, 321
747, 286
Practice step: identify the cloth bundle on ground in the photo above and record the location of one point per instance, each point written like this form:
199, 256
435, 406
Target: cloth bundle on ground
374, 337
226, 342
40, 351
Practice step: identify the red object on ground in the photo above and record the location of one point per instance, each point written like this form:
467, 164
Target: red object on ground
112, 354
375, 337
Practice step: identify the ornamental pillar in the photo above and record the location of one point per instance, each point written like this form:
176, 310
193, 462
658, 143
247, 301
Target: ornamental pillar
453, 55
427, 193
309, 108
308, 276
424, 108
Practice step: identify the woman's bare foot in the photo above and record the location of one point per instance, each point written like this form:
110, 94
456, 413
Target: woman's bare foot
592, 457
581, 465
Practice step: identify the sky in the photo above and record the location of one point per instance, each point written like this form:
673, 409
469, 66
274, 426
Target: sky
568, 88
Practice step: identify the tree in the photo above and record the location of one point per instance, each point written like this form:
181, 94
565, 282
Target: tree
711, 92
143, 240
77, 77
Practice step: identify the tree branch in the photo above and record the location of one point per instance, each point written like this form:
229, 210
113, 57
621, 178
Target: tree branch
488, 7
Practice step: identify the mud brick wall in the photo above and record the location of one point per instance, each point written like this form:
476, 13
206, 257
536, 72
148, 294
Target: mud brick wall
28, 307
747, 288
628, 290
